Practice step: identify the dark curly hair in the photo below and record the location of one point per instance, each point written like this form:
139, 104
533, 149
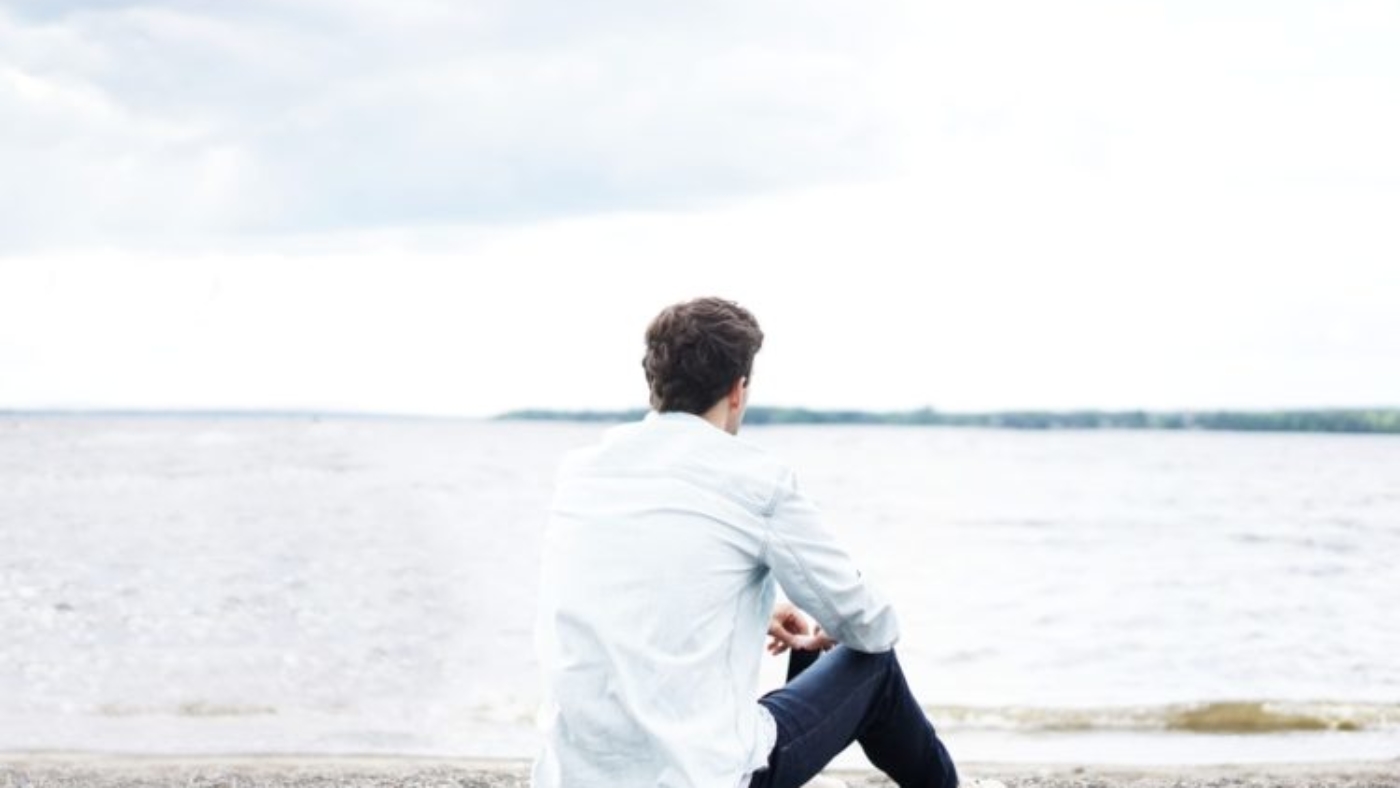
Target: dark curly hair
696, 350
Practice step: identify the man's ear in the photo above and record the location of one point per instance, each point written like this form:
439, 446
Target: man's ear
736, 393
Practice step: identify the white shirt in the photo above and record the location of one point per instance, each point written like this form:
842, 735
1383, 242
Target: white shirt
660, 555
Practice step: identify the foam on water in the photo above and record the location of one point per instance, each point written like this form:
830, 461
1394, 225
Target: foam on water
1241, 717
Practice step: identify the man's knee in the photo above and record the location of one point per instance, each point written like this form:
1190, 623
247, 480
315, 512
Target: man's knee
882, 662
885, 659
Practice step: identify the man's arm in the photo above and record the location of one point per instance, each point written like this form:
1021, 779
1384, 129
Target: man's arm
821, 578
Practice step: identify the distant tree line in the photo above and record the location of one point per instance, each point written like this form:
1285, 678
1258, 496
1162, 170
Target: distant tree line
1384, 420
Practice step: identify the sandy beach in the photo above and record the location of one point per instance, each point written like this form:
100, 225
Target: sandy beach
71, 770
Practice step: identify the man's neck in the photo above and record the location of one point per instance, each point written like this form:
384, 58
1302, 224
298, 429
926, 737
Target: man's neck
717, 415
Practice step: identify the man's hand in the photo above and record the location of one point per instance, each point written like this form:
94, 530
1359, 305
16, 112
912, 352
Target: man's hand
789, 628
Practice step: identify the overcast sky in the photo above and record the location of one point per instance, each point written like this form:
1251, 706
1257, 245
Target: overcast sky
447, 206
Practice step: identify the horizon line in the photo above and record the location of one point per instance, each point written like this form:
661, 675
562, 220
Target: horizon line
352, 413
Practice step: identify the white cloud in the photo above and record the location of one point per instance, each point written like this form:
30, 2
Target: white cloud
863, 307
471, 207
372, 114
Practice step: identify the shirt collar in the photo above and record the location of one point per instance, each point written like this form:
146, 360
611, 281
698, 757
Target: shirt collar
678, 417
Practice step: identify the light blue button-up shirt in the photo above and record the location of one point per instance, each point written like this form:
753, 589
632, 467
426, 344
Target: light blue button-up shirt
660, 555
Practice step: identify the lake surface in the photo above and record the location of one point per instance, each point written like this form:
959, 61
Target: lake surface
332, 585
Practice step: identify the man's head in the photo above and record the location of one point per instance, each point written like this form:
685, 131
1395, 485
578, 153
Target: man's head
700, 357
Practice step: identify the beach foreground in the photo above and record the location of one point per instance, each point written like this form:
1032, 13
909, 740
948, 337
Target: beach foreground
62, 770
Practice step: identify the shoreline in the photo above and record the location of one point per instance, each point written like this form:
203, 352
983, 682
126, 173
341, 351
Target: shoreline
71, 769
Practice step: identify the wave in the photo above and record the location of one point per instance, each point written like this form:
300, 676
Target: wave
196, 708
1210, 717
1232, 716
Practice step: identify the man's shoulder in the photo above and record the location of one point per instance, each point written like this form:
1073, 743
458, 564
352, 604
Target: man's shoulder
705, 456
771, 475
761, 458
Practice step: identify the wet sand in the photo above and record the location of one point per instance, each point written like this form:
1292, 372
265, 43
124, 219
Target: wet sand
72, 770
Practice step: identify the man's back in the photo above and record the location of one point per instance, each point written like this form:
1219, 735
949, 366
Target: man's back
653, 610
655, 600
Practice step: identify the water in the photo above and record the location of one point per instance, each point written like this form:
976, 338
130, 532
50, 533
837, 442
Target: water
183, 585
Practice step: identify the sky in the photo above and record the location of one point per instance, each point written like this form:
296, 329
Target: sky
460, 208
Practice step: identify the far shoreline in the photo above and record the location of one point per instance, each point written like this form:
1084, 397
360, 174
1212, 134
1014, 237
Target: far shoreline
1376, 421
1339, 421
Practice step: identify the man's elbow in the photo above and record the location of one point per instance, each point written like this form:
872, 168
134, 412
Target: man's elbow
873, 637
869, 647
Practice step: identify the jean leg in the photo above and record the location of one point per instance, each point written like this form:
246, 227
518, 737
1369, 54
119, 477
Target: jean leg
901, 742
847, 696
799, 661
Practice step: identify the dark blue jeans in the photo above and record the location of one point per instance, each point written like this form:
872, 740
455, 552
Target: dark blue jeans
845, 696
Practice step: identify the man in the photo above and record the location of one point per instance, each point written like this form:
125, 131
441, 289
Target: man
661, 554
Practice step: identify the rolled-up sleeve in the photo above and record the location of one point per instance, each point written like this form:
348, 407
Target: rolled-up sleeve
820, 577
